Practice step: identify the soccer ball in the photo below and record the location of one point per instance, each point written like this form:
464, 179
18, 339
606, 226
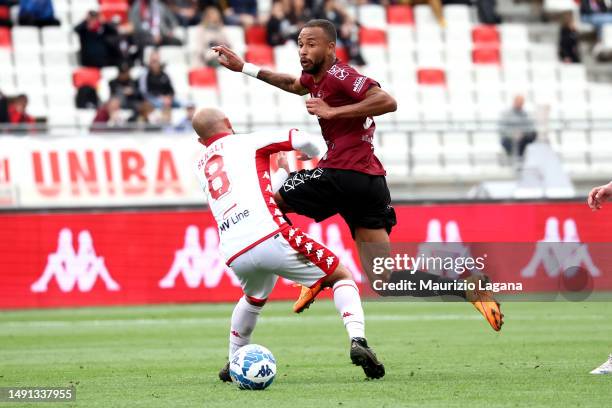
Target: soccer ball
253, 367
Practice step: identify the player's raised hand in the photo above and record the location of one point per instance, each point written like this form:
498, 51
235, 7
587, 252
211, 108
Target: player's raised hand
317, 106
228, 58
599, 195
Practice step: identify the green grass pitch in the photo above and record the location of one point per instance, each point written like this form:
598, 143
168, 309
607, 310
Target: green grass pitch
436, 355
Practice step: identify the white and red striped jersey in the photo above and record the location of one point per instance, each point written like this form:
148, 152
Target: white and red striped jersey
234, 171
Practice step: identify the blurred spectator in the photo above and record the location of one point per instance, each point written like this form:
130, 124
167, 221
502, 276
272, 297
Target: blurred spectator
163, 116
142, 117
87, 98
108, 116
186, 12
185, 124
241, 12
4, 116
153, 23
37, 13
209, 33
346, 27
487, 12
17, 110
155, 85
596, 12
99, 42
125, 88
517, 128
286, 20
568, 41
6, 21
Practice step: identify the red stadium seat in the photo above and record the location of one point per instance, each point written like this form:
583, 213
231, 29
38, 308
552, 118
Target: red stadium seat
5, 37
110, 11
485, 34
342, 54
260, 55
203, 77
256, 35
400, 14
86, 76
372, 36
486, 55
5, 13
431, 76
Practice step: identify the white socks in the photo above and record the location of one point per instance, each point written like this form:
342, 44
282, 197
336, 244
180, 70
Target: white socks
348, 304
244, 320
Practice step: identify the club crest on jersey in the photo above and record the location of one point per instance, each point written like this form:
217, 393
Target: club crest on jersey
338, 72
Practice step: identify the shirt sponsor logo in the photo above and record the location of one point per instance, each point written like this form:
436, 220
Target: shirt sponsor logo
358, 84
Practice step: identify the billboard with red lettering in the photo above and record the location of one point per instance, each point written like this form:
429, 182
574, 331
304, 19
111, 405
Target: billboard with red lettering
146, 257
95, 171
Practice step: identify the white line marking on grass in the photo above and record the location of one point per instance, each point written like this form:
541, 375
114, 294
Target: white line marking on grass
265, 320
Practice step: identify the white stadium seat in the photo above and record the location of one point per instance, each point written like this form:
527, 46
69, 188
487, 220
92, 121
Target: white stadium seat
27, 38
56, 38
235, 36
423, 16
372, 16
606, 36
457, 15
513, 36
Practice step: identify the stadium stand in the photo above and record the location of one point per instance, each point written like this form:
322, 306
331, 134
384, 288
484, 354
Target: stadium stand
452, 83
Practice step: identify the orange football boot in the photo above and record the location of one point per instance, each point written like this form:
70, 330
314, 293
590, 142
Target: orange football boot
484, 302
306, 298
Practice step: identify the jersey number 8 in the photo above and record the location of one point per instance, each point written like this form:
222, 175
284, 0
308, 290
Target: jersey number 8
218, 182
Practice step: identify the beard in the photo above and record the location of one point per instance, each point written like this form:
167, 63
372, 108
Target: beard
315, 68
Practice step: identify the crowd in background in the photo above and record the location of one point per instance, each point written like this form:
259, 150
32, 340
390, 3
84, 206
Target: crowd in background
153, 23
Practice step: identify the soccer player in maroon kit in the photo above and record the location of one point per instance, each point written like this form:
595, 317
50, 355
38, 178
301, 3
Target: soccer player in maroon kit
349, 180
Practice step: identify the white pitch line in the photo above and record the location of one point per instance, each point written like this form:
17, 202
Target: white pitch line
202, 321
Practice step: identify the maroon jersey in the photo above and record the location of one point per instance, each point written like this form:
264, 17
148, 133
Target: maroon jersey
349, 141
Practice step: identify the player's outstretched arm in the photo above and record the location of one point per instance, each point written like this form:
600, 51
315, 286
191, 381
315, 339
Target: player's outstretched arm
599, 195
377, 102
232, 61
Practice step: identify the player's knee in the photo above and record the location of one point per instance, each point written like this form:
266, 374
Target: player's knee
341, 273
255, 302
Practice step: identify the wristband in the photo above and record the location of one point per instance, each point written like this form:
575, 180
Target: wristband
250, 69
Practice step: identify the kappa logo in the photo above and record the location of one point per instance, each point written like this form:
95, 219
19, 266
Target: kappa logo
198, 264
330, 261
332, 239
338, 72
346, 314
436, 247
70, 268
319, 253
560, 256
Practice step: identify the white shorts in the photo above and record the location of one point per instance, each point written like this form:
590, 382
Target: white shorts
290, 254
